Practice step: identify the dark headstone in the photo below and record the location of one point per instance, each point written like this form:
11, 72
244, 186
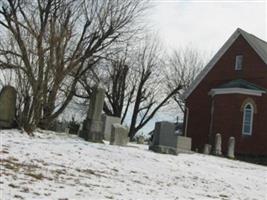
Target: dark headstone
166, 141
7, 107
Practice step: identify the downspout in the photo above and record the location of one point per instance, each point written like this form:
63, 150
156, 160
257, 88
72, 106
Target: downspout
186, 120
211, 120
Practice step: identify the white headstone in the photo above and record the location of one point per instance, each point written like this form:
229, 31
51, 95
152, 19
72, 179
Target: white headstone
140, 139
207, 149
107, 125
119, 135
231, 148
218, 145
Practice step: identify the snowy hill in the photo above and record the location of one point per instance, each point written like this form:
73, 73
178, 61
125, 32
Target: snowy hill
59, 166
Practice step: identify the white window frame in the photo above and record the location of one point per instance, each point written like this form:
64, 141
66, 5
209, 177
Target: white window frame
251, 120
239, 62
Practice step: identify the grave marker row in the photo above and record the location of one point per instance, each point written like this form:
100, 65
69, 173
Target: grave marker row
218, 147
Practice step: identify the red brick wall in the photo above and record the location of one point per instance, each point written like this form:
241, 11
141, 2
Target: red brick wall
228, 118
227, 115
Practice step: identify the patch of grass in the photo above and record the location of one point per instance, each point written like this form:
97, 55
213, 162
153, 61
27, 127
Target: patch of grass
10, 166
13, 186
25, 190
36, 176
18, 197
36, 193
109, 197
4, 151
114, 169
13, 164
224, 196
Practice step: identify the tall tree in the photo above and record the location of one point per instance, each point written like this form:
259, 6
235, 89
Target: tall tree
55, 42
150, 83
135, 84
184, 65
114, 74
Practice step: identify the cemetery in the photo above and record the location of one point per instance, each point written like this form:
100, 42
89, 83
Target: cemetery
101, 138
128, 100
100, 132
98, 127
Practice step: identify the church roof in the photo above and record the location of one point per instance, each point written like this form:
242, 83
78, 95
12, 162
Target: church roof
240, 83
260, 46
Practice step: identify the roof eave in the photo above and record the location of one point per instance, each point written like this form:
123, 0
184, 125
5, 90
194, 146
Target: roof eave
218, 91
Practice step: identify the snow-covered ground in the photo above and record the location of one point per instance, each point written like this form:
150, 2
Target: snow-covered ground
59, 166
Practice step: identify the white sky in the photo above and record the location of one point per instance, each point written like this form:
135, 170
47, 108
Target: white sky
206, 25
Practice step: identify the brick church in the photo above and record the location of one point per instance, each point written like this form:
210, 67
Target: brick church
230, 97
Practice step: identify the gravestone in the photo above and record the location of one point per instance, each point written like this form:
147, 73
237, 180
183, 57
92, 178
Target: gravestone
166, 141
80, 129
107, 125
58, 126
92, 127
184, 143
140, 139
119, 135
74, 128
67, 130
207, 149
8, 97
218, 145
231, 148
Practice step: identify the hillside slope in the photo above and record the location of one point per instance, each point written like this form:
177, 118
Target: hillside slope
59, 166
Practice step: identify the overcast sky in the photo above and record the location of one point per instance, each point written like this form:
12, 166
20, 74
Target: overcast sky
206, 24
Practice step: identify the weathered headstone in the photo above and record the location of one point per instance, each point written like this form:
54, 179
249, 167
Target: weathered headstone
140, 139
184, 143
119, 135
107, 125
58, 126
166, 141
231, 148
218, 145
80, 129
207, 149
67, 130
92, 127
7, 106
74, 128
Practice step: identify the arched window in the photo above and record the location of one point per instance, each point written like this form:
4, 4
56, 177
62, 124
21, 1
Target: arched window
248, 119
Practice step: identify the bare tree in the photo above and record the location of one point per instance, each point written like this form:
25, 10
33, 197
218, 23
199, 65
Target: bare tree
55, 42
184, 66
150, 84
135, 84
114, 74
